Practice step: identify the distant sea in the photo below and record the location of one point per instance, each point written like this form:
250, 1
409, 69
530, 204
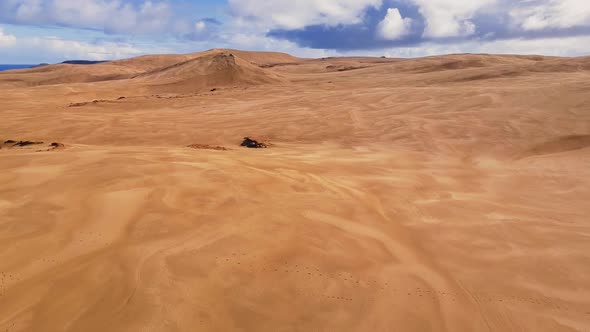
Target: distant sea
10, 67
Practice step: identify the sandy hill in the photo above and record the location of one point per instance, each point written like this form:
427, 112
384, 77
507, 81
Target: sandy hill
206, 71
464, 61
456, 68
205, 68
65, 74
202, 70
147, 63
258, 58
153, 62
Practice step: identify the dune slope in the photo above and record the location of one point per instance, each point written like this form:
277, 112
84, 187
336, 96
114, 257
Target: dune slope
206, 72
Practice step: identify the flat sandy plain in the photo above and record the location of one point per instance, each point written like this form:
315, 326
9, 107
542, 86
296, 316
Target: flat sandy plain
446, 193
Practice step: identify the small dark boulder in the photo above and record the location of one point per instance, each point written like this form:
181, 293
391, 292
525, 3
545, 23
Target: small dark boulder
55, 145
253, 144
9, 142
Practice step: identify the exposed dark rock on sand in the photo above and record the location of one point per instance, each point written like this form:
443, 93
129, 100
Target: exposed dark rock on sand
55, 145
253, 144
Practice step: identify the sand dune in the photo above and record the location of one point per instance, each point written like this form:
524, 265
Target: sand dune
64, 74
197, 66
206, 72
435, 194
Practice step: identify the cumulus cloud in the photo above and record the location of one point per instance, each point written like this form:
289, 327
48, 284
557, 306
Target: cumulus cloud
70, 49
551, 14
6, 40
203, 29
307, 26
393, 26
442, 18
451, 18
26, 10
33, 49
55, 49
569, 46
111, 16
407, 23
297, 14
200, 26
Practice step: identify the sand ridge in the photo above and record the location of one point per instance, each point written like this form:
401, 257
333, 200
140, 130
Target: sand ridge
434, 194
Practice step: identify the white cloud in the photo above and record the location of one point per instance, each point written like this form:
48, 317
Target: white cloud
200, 26
442, 18
568, 46
54, 49
393, 25
70, 49
552, 14
6, 40
296, 14
253, 19
565, 46
28, 9
259, 42
112, 16
451, 18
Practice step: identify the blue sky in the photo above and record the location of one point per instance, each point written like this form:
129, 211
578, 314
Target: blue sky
34, 31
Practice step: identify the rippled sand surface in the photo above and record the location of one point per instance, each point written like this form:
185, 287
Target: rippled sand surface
436, 194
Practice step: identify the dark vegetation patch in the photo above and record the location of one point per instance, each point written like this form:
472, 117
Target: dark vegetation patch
207, 147
26, 143
22, 144
333, 68
82, 62
96, 101
272, 65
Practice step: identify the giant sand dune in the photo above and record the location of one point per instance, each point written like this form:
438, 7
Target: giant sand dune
446, 193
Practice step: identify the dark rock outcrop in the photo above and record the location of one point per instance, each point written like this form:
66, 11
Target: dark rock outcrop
55, 146
253, 144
